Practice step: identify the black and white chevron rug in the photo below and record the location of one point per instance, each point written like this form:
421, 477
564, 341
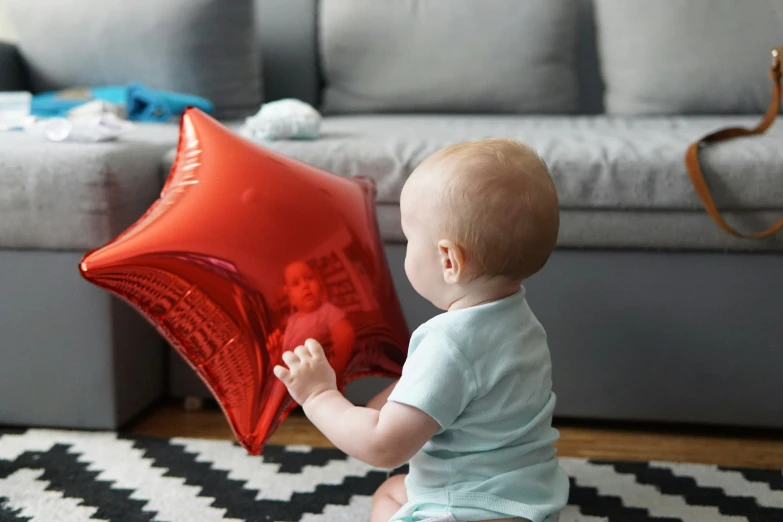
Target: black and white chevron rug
71, 476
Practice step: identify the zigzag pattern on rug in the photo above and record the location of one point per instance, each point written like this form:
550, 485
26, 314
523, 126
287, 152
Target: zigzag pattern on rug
72, 476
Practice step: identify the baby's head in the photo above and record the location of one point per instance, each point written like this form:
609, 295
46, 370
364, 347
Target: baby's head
477, 212
303, 287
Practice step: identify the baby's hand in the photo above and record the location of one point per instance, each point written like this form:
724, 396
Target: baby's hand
308, 373
274, 346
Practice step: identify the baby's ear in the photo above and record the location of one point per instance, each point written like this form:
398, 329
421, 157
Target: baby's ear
452, 261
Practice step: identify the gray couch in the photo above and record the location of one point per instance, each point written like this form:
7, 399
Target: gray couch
653, 314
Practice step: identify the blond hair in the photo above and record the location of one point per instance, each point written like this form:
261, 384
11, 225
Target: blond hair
499, 204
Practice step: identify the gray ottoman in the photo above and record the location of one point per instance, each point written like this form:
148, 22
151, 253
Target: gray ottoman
71, 355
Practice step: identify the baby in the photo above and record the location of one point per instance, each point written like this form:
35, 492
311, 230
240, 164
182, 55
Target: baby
472, 412
313, 317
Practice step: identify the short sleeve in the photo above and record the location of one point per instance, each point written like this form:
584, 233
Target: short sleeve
436, 379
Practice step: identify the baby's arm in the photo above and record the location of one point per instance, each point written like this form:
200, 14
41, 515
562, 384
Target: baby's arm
386, 439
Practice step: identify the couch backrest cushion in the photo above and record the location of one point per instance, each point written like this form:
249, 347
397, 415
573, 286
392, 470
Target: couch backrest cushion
687, 56
7, 32
448, 56
201, 47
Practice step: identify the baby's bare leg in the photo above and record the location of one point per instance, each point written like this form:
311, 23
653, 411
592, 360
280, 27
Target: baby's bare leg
389, 498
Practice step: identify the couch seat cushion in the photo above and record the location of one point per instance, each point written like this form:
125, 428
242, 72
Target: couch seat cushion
597, 162
70, 196
622, 182
637, 230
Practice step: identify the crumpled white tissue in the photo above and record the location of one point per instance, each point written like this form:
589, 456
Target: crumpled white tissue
283, 119
87, 128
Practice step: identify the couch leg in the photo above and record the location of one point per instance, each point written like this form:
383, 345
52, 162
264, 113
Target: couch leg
193, 403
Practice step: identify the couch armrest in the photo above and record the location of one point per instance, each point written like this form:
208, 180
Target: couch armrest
12, 73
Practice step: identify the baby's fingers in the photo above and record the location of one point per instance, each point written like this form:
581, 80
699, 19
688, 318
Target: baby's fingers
290, 358
282, 373
315, 348
302, 353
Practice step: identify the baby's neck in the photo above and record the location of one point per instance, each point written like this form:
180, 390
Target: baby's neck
480, 291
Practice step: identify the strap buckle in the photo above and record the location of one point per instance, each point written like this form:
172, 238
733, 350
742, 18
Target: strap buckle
776, 59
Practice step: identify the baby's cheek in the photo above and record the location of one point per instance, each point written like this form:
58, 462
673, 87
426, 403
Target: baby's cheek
414, 276
407, 264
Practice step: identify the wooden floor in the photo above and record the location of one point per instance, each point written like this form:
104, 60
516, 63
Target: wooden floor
598, 441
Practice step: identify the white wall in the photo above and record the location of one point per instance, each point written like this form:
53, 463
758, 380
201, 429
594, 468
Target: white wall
6, 31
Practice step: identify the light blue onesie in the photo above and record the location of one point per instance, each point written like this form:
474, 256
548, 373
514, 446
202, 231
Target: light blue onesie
484, 374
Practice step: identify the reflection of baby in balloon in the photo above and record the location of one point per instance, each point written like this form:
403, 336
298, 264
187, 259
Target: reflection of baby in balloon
313, 317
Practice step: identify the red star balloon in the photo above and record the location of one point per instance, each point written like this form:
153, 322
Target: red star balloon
248, 253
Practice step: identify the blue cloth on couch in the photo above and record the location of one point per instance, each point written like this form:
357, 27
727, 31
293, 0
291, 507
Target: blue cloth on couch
141, 102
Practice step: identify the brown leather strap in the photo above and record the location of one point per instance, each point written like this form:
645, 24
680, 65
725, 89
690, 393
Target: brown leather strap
692, 156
